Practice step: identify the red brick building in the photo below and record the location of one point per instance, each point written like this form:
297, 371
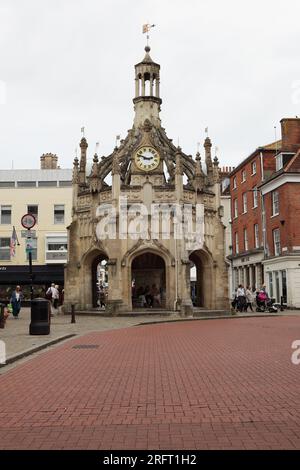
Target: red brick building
265, 217
248, 239
281, 193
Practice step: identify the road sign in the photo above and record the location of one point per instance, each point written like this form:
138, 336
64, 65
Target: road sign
28, 233
28, 221
29, 246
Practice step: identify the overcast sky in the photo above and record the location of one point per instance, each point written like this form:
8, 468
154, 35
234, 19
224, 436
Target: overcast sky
230, 65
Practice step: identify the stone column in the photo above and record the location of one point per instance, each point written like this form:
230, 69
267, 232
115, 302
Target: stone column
236, 277
151, 85
251, 283
157, 87
114, 295
244, 275
137, 80
258, 275
186, 302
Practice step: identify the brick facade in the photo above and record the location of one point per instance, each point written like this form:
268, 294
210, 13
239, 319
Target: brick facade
274, 256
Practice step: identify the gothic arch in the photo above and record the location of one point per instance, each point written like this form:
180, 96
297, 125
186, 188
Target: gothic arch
89, 264
204, 285
153, 246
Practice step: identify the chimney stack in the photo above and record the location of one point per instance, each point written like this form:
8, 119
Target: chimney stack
49, 161
290, 132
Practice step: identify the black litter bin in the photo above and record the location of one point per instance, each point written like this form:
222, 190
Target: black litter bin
40, 317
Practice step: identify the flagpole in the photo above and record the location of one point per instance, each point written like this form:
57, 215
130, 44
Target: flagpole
17, 236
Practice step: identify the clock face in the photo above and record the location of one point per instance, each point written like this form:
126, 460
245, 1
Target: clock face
147, 158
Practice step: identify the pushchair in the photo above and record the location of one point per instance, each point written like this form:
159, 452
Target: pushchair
263, 304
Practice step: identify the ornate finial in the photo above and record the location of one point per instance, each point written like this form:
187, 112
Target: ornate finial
94, 171
147, 48
198, 170
178, 168
83, 143
216, 161
115, 163
75, 177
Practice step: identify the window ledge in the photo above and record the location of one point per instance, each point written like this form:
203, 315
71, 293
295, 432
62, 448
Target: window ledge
274, 215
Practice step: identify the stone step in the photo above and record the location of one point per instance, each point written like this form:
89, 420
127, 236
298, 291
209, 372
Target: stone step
133, 313
202, 312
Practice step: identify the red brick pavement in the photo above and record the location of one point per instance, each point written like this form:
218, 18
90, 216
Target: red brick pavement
217, 384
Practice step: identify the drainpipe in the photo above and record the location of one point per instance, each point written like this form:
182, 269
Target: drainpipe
262, 166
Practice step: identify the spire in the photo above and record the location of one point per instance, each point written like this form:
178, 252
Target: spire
147, 59
94, 180
178, 168
75, 178
82, 165
198, 170
147, 99
94, 171
216, 170
115, 163
208, 160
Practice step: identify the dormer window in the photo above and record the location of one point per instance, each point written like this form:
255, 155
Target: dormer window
279, 162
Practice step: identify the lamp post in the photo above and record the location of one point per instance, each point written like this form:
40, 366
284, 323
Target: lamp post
28, 221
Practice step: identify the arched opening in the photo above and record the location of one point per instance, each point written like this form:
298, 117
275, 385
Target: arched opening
99, 281
201, 279
147, 84
148, 281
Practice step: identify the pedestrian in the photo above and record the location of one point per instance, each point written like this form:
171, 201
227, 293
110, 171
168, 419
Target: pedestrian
234, 300
241, 298
15, 300
52, 294
155, 295
249, 299
102, 297
148, 296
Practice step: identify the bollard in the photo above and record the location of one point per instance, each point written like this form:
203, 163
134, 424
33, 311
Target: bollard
73, 314
40, 317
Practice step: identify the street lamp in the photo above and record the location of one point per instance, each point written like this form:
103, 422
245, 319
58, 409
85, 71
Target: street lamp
28, 221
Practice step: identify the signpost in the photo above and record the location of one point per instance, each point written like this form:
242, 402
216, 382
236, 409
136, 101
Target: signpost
28, 221
28, 233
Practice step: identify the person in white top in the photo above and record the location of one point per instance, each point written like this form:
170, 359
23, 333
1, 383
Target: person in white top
241, 298
53, 295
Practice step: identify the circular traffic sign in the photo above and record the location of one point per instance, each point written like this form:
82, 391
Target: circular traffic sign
28, 221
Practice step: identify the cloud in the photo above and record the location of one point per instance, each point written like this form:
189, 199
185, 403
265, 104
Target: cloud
229, 65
